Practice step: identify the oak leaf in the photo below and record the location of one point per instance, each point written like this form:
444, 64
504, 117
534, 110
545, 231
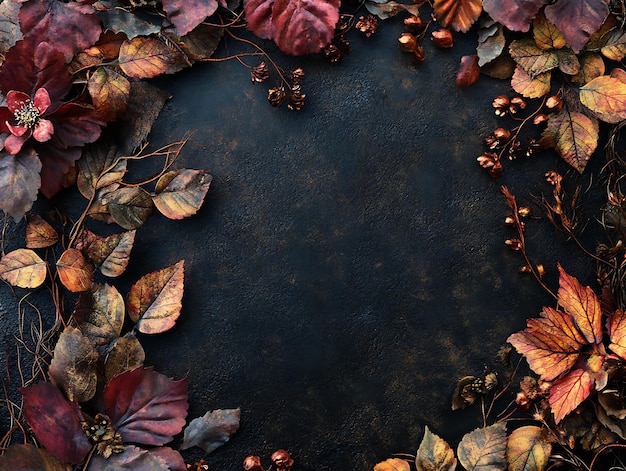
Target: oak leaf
606, 97
528, 86
112, 253
154, 302
19, 182
127, 354
40, 234
516, 15
109, 92
211, 430
180, 193
393, 464
100, 314
484, 449
29, 457
23, 268
577, 19
74, 271
459, 15
434, 454
146, 57
527, 449
129, 206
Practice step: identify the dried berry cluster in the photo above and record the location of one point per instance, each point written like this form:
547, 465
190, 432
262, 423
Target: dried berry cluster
281, 459
276, 95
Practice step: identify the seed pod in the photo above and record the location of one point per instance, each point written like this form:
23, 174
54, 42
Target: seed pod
260, 73
418, 54
276, 95
554, 103
513, 244
442, 38
296, 98
540, 119
297, 76
407, 42
523, 211
282, 460
509, 221
252, 463
413, 23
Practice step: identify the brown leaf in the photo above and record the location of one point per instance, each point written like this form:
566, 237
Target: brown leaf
146, 57
616, 326
40, 234
573, 135
459, 15
468, 72
393, 464
126, 355
73, 365
530, 87
484, 449
591, 66
434, 454
606, 97
568, 61
619, 74
109, 92
211, 430
112, 253
74, 271
23, 268
533, 60
390, 9
202, 42
19, 182
154, 302
180, 193
527, 449
25, 457
99, 167
546, 34
130, 206
615, 46
100, 314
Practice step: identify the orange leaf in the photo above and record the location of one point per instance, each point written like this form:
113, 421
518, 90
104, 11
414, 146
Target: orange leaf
154, 302
181, 193
112, 253
568, 392
74, 271
616, 326
546, 34
528, 449
23, 268
393, 464
582, 304
146, 57
591, 66
40, 234
459, 15
530, 87
606, 97
109, 93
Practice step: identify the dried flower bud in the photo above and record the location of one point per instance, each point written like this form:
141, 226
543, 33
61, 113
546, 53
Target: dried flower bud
523, 211
515, 150
522, 401
501, 101
418, 55
554, 103
501, 134
297, 76
368, 25
296, 98
282, 459
518, 102
407, 42
442, 38
553, 178
260, 73
333, 53
513, 244
540, 119
252, 463
413, 23
343, 45
487, 160
276, 95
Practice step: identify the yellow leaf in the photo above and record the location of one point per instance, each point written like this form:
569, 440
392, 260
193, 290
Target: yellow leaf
146, 57
484, 449
533, 60
616, 325
530, 87
527, 449
109, 93
181, 193
434, 454
573, 135
606, 97
591, 66
393, 464
23, 268
74, 271
459, 15
615, 46
547, 35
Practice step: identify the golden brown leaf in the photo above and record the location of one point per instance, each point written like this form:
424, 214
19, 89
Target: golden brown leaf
530, 87
484, 449
112, 253
459, 15
74, 271
606, 97
591, 66
527, 449
616, 326
40, 234
73, 365
126, 355
23, 268
109, 93
568, 61
568, 392
619, 74
547, 35
99, 168
393, 464
615, 46
573, 135
434, 454
154, 302
180, 193
533, 60
100, 314
27, 456
146, 57
129, 207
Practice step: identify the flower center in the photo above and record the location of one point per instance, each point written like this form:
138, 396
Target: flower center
28, 115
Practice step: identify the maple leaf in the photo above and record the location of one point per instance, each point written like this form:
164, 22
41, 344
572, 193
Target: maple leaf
516, 15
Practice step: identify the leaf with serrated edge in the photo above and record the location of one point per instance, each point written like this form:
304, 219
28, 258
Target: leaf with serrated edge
393, 464
126, 355
146, 57
484, 449
616, 327
527, 449
181, 193
75, 273
606, 97
434, 454
516, 15
547, 35
573, 135
568, 392
23, 268
530, 87
40, 234
100, 314
582, 304
533, 60
154, 302
459, 15
211, 430
577, 19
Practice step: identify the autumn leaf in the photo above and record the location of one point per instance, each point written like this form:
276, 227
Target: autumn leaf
591, 66
19, 182
127, 22
74, 271
393, 464
185, 15
112, 253
127, 354
527, 449
211, 430
468, 72
528, 86
573, 135
434, 454
146, 407
23, 268
98, 168
10, 26
298, 27
606, 97
616, 326
109, 92
56, 422
582, 304
389, 9
73, 365
547, 35
568, 61
202, 42
491, 43
154, 302
146, 57
180, 193
100, 314
459, 15
615, 46
577, 19
40, 234
130, 206
131, 459
484, 449
516, 15
26, 457
532, 59
569, 391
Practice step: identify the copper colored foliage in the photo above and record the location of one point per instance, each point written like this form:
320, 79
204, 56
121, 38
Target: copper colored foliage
468, 72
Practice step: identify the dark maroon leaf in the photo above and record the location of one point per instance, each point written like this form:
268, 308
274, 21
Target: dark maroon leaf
187, 14
27, 457
56, 422
259, 17
19, 182
72, 25
577, 19
173, 458
468, 71
55, 163
514, 14
202, 42
145, 406
75, 125
131, 459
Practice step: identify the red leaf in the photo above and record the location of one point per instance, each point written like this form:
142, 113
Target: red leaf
19, 182
577, 19
516, 15
185, 15
145, 406
56, 422
568, 392
72, 25
298, 27
75, 125
55, 163
468, 72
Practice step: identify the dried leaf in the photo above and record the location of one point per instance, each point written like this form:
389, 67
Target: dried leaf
530, 87
131, 459
25, 457
23, 268
123, 21
154, 302
211, 430
577, 19
468, 72
568, 392
40, 234
181, 193
615, 46
112, 253
146, 57
533, 60
98, 168
126, 355
568, 61
527, 449
130, 206
516, 15
573, 135
582, 304
146, 407
202, 42
547, 35
384, 10
490, 47
73, 365
100, 314
56, 422
109, 92
591, 66
616, 326
185, 15
393, 464
75, 273
606, 97
484, 449
9, 27
459, 15
434, 454
19, 182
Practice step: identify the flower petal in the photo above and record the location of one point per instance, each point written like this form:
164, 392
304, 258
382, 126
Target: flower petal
42, 101
13, 144
16, 130
16, 100
44, 130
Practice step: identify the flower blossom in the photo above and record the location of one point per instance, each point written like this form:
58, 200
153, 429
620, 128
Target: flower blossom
27, 119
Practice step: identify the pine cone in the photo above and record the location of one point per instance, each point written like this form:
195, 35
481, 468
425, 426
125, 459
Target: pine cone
296, 99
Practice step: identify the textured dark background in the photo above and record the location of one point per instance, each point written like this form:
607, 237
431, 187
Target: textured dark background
348, 265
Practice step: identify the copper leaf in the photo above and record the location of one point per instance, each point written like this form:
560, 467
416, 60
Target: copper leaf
100, 314
127, 354
606, 97
459, 15
40, 234
74, 271
528, 449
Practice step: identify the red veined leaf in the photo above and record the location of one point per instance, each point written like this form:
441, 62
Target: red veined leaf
23, 268
568, 392
185, 15
40, 234
516, 15
74, 271
146, 57
616, 326
24, 457
459, 15
19, 181
145, 406
56, 422
582, 304
577, 19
